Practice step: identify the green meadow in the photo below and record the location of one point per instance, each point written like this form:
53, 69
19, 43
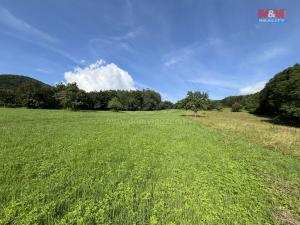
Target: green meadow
159, 167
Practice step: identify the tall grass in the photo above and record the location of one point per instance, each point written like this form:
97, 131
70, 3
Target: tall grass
256, 129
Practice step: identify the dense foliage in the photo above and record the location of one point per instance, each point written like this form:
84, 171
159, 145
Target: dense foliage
236, 107
230, 100
115, 104
194, 101
248, 102
31, 93
215, 105
279, 99
197, 101
281, 96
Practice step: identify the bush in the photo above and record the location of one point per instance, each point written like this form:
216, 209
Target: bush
236, 107
218, 107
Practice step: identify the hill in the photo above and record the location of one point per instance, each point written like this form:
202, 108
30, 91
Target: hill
10, 81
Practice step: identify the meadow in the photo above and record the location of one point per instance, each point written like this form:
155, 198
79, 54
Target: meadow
159, 167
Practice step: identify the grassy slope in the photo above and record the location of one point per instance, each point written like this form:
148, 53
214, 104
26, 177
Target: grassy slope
138, 167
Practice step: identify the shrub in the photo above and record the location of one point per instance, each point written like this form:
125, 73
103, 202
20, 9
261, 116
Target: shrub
236, 107
218, 107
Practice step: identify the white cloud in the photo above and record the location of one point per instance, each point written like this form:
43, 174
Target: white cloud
101, 76
251, 89
17, 25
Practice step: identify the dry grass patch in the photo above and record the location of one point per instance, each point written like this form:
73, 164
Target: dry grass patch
285, 217
258, 129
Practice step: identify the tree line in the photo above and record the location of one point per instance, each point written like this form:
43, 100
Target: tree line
68, 96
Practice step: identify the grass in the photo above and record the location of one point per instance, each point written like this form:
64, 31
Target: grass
61, 167
256, 129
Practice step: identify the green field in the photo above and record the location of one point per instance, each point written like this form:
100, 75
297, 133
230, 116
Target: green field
62, 167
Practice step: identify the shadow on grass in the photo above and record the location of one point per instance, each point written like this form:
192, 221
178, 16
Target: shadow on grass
278, 121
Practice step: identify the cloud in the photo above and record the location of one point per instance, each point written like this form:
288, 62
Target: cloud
129, 35
22, 30
41, 70
215, 82
185, 54
15, 24
114, 45
272, 53
101, 76
178, 55
251, 89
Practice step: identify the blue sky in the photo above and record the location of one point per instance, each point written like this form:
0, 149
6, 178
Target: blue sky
170, 46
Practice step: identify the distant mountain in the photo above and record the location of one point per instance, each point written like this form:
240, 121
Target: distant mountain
10, 81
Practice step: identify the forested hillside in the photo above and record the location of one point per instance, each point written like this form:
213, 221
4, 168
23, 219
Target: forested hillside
8, 81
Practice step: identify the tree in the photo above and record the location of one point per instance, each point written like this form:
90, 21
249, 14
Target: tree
166, 105
252, 102
71, 97
215, 105
218, 107
281, 96
196, 101
132, 103
115, 104
236, 107
7, 98
131, 100
230, 100
151, 100
24, 91
35, 95
181, 104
